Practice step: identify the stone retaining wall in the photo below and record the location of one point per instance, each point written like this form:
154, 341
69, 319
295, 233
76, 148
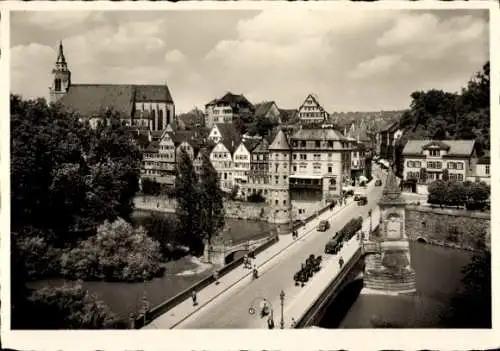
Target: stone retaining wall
234, 209
447, 227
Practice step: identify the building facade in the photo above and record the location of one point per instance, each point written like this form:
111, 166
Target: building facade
386, 141
483, 171
280, 157
241, 161
458, 157
313, 164
311, 112
258, 177
226, 109
137, 105
221, 157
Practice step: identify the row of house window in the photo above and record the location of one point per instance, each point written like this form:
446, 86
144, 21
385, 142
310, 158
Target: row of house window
259, 158
219, 154
312, 114
435, 165
240, 157
317, 143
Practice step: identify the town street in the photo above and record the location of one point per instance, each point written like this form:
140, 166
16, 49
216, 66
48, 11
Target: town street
231, 309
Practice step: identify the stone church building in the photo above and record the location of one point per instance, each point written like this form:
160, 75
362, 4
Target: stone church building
147, 106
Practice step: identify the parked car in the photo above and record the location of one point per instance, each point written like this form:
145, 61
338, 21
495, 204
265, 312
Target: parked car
363, 200
378, 182
323, 226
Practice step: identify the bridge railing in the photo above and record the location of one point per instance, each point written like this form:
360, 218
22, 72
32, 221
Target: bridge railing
309, 312
165, 306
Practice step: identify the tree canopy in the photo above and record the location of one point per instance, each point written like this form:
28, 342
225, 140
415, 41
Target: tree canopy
436, 114
67, 178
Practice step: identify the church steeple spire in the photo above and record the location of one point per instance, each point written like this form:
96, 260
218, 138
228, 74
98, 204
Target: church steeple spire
61, 76
60, 54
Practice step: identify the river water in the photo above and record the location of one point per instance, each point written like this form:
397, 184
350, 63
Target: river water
438, 275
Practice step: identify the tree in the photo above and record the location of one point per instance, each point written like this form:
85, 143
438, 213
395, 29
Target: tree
118, 252
437, 193
165, 231
477, 195
188, 210
66, 177
150, 187
446, 175
456, 194
69, 307
211, 198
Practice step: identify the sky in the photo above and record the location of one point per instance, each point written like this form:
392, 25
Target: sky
352, 60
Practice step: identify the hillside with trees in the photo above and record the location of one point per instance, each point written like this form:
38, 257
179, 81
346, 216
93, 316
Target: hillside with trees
436, 114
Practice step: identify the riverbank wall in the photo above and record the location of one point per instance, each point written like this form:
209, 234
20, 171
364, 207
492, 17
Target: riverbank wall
459, 229
234, 209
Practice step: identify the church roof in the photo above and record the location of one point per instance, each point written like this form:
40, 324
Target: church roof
280, 142
391, 195
94, 99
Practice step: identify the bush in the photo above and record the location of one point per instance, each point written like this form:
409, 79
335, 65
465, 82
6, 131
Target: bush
150, 186
474, 196
40, 259
118, 252
69, 307
165, 231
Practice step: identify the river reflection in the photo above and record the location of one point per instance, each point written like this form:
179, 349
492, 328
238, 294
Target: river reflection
438, 275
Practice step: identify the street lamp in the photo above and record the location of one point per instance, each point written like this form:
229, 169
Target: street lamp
282, 300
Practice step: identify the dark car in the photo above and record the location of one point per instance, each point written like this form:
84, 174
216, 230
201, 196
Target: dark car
362, 201
378, 182
323, 226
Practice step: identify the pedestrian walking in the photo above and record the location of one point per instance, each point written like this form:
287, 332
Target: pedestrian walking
341, 261
194, 297
270, 323
216, 277
293, 323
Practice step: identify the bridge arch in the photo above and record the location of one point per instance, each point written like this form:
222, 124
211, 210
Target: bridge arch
235, 255
421, 240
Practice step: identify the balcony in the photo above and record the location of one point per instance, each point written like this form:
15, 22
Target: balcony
306, 183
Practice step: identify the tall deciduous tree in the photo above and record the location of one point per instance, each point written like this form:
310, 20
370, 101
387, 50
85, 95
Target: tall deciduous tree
211, 198
188, 208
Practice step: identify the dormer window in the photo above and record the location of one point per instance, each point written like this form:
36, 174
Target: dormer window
434, 153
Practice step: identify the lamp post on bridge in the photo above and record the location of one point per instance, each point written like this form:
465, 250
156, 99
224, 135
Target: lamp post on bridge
282, 301
266, 309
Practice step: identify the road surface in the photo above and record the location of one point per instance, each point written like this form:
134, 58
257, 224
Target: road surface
230, 311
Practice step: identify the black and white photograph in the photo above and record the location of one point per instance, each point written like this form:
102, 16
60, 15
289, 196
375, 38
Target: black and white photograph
261, 168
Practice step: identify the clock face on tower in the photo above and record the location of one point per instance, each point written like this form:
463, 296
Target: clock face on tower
393, 226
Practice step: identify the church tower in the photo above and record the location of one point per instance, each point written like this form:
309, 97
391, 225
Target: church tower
280, 156
61, 77
388, 261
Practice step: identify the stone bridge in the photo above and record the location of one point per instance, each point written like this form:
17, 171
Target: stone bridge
221, 251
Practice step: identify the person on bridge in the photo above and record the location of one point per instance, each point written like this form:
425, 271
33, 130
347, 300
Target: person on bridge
341, 261
255, 272
216, 277
270, 322
194, 297
246, 261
